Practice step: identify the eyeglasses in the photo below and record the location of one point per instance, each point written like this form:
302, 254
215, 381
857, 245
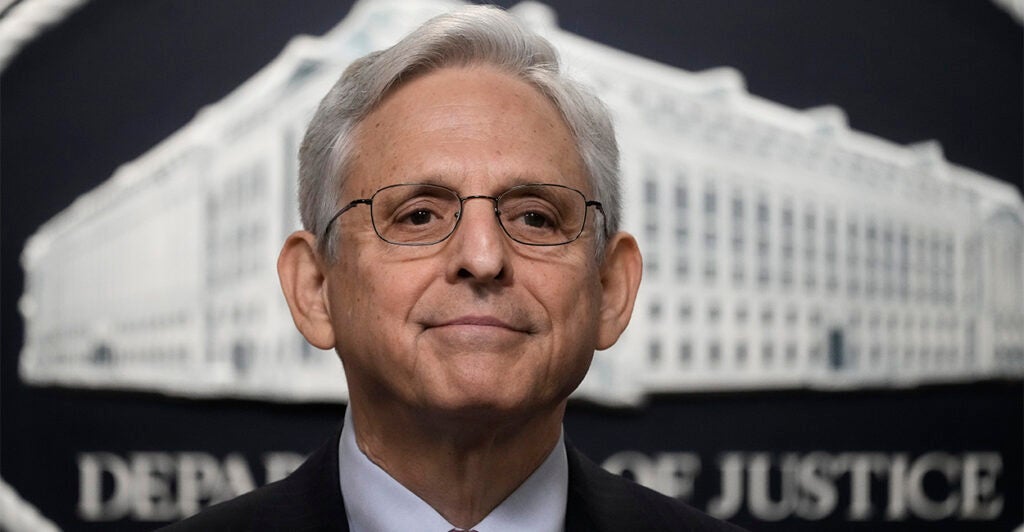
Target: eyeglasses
418, 214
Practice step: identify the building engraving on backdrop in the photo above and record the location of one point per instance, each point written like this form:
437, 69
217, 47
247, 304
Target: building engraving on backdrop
782, 249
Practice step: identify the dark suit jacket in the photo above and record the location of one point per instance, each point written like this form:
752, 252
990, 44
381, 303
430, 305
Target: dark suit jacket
310, 499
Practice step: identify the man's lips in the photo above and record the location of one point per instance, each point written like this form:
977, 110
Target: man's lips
476, 321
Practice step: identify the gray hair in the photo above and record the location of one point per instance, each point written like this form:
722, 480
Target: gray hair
472, 35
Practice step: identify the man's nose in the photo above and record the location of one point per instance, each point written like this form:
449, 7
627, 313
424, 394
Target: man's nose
479, 245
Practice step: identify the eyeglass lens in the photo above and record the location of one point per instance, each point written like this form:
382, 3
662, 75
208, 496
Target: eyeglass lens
425, 214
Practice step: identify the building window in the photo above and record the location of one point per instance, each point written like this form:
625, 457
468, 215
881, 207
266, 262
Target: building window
682, 230
888, 262
738, 270
936, 270
737, 222
970, 334
871, 261
710, 271
710, 241
737, 206
651, 190
949, 268
710, 200
903, 265
874, 322
791, 354
651, 222
682, 268
685, 311
814, 353
787, 276
854, 355
714, 312
714, 353
685, 353
651, 209
852, 258
741, 313
810, 249
788, 238
921, 260
710, 233
767, 353
908, 357
763, 215
831, 253
655, 310
763, 243
682, 196
836, 348
738, 273
710, 210
741, 353
654, 352
682, 239
791, 316
763, 276
876, 355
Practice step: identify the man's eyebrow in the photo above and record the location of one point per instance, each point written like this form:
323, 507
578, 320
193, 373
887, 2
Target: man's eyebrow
523, 179
455, 183
431, 179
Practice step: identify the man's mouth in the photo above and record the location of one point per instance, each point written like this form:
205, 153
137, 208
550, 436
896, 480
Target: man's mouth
477, 321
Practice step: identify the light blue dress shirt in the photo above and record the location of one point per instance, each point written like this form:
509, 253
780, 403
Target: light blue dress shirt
376, 502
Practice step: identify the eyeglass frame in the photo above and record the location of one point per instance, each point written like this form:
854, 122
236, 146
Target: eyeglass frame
458, 215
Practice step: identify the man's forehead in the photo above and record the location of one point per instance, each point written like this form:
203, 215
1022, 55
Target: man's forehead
454, 99
476, 130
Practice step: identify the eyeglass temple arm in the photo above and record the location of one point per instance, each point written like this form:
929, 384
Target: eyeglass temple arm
343, 210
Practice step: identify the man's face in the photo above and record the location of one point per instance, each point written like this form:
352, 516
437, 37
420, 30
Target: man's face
477, 323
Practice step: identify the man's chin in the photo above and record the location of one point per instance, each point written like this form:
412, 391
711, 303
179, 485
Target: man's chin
487, 407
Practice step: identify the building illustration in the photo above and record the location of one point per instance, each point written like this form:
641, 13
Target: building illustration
782, 249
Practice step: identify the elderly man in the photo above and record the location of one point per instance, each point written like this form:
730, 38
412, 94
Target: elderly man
460, 201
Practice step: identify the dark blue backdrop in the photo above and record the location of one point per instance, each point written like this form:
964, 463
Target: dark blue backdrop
117, 77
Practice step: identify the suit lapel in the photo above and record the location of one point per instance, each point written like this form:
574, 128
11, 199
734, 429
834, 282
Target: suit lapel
311, 497
592, 505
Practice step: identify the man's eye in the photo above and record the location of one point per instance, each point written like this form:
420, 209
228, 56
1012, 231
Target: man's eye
535, 219
419, 217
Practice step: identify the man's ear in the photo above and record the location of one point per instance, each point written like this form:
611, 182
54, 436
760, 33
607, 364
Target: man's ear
304, 283
620, 280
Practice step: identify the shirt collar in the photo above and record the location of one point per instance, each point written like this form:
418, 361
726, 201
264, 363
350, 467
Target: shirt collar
375, 501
